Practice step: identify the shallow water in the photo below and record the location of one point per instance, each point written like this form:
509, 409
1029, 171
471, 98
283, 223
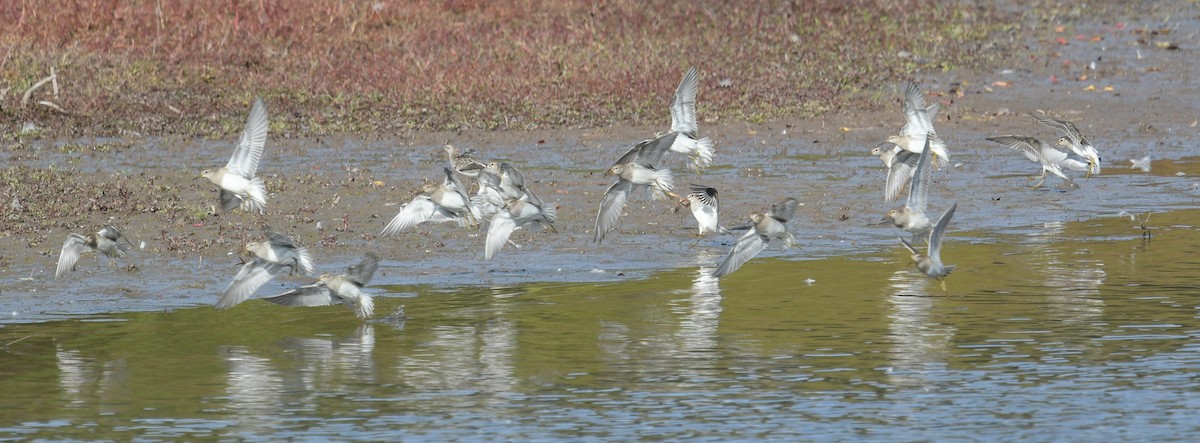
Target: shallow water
1071, 331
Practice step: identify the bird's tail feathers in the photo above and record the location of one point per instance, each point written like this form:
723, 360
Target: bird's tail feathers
364, 306
304, 261
258, 196
664, 182
704, 154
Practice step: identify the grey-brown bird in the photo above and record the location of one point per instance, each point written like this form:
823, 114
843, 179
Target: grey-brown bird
437, 202
930, 263
683, 137
1052, 160
912, 216
463, 161
918, 127
108, 241
281, 249
764, 227
901, 165
332, 289
636, 170
1072, 139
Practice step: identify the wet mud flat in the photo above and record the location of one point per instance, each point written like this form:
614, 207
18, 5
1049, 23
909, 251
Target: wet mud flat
334, 194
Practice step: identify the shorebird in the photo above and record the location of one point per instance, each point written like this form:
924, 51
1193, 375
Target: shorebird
281, 249
918, 127
900, 163
683, 135
437, 202
237, 181
1073, 140
464, 162
331, 289
702, 201
764, 227
1052, 160
930, 262
912, 216
249, 278
108, 241
515, 214
636, 170
506, 179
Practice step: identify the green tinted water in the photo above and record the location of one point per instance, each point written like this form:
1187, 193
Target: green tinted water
1077, 331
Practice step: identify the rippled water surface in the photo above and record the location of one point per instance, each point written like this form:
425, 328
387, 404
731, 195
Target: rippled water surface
1070, 331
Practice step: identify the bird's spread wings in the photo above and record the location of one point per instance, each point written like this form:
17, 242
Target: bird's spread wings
250, 147
111, 233
1027, 146
1066, 128
277, 239
705, 195
918, 190
746, 247
611, 207
316, 294
784, 210
904, 164
75, 246
362, 273
419, 210
498, 232
917, 124
683, 109
939, 231
249, 278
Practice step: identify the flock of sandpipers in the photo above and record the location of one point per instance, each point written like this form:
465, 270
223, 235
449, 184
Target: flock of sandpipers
503, 203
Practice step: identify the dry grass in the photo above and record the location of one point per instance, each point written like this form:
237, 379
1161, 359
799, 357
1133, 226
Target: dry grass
329, 66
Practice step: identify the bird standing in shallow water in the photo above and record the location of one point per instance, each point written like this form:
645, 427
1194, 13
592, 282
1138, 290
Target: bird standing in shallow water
331, 289
107, 241
237, 180
764, 227
930, 262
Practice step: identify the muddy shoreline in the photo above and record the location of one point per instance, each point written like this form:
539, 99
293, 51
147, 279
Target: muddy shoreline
335, 193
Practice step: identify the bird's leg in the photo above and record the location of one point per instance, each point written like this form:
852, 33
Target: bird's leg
943, 282
1039, 183
513, 244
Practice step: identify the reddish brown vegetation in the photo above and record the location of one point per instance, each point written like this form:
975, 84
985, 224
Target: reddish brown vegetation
332, 66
